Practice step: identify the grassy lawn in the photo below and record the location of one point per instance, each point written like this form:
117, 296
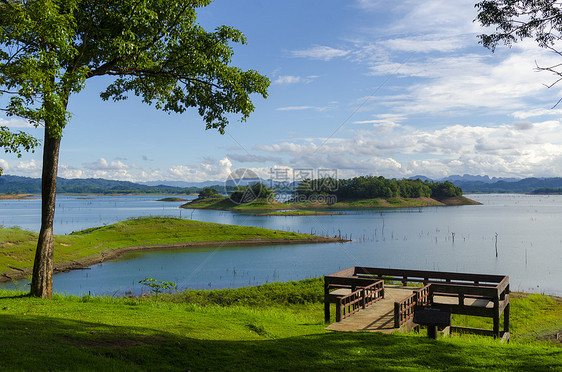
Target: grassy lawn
17, 247
271, 327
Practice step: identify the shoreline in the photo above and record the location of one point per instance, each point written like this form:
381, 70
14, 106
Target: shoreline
267, 207
84, 263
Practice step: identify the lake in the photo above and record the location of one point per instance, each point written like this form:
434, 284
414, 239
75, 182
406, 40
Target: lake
526, 230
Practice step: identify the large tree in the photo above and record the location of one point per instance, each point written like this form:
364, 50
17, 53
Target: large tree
154, 49
516, 20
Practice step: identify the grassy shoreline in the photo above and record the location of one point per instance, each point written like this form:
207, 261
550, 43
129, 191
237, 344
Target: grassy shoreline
224, 203
99, 244
278, 326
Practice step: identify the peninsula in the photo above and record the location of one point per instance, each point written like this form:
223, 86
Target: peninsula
91, 246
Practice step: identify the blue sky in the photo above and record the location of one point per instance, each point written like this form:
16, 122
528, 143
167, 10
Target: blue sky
360, 87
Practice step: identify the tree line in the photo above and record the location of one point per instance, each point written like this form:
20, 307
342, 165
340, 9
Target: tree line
370, 187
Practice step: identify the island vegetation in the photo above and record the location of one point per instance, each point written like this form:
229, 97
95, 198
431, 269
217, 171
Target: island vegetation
355, 193
172, 199
276, 326
547, 191
94, 245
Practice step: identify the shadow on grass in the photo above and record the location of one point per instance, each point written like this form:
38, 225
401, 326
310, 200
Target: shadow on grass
44, 343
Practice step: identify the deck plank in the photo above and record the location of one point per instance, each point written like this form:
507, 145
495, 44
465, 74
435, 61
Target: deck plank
379, 317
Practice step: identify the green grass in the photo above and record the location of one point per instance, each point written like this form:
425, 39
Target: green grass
255, 329
17, 247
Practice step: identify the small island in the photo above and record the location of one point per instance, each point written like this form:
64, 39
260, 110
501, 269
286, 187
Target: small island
366, 192
172, 199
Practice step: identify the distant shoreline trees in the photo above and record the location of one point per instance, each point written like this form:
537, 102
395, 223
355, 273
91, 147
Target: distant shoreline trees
371, 187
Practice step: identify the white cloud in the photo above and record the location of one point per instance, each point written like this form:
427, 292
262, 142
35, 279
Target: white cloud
15, 123
288, 79
518, 149
252, 158
323, 53
526, 114
291, 79
423, 44
469, 82
4, 165
27, 168
207, 170
103, 165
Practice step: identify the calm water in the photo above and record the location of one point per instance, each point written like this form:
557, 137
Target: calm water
463, 239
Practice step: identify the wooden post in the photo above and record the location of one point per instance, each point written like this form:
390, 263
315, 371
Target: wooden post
432, 331
506, 319
363, 298
396, 315
338, 310
326, 302
496, 317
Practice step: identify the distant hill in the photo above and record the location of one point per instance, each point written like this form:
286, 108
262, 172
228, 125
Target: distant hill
524, 186
469, 185
183, 184
25, 185
486, 185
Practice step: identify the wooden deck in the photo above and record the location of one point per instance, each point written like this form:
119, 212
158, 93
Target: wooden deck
365, 303
379, 317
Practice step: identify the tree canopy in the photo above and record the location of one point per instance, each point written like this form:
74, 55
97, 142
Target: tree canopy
153, 49
250, 193
208, 193
371, 187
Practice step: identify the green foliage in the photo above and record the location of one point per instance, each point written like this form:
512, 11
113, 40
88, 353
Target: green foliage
254, 192
308, 291
157, 286
517, 20
371, 187
155, 49
208, 192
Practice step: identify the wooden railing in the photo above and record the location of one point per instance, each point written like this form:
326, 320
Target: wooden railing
359, 299
426, 277
404, 310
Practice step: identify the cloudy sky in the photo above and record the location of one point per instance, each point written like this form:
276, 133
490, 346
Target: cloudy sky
360, 87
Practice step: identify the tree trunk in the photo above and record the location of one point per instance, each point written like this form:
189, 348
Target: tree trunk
42, 280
